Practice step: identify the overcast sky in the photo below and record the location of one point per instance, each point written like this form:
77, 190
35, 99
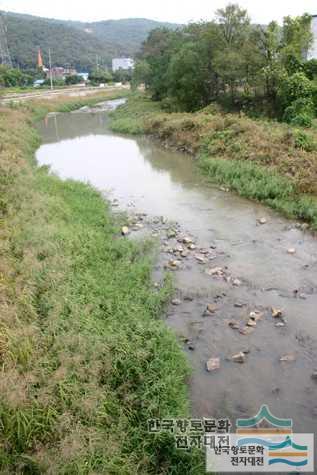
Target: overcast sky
178, 11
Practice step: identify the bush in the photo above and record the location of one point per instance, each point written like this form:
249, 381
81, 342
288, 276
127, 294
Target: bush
301, 112
304, 141
310, 69
294, 87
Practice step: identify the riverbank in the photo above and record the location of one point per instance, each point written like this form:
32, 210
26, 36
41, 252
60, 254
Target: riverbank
85, 359
266, 161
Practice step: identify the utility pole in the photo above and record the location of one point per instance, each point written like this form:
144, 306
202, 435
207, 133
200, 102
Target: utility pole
50, 65
5, 57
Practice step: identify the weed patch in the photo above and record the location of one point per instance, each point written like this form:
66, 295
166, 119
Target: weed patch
85, 357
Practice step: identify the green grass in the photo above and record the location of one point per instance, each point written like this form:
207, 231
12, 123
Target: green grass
85, 357
254, 182
130, 118
261, 160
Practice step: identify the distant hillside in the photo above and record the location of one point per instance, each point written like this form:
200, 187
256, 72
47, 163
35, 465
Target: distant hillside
75, 43
127, 34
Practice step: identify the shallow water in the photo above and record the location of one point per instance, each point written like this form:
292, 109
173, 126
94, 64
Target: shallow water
145, 177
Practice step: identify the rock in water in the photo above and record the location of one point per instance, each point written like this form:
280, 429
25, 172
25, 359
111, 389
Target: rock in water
276, 312
212, 364
239, 357
211, 308
287, 358
234, 324
237, 282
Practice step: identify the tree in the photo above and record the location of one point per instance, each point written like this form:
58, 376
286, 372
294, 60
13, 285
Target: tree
234, 24
297, 38
100, 76
74, 79
232, 59
141, 73
10, 77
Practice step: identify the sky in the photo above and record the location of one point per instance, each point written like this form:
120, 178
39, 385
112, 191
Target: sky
177, 11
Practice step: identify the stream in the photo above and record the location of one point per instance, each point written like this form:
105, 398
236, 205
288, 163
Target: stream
230, 262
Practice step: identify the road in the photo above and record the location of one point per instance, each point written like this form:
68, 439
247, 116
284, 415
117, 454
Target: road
50, 94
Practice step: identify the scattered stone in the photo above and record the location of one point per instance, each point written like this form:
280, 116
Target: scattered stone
189, 298
210, 309
191, 247
279, 324
176, 302
255, 315
239, 357
234, 324
302, 296
314, 375
291, 251
218, 271
191, 346
276, 312
262, 221
239, 304
246, 330
171, 233
203, 251
174, 263
200, 259
237, 282
184, 253
124, 230
212, 364
138, 226
288, 358
187, 240
251, 323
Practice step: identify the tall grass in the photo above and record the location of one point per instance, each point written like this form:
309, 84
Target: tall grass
85, 357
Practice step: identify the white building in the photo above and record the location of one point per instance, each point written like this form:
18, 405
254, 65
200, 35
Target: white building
313, 51
122, 63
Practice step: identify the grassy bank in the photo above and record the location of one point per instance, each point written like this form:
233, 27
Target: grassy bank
85, 358
266, 161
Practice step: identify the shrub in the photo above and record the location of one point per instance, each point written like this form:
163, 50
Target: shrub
294, 87
301, 112
304, 141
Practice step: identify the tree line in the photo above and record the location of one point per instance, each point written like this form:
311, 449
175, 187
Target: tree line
260, 69
12, 77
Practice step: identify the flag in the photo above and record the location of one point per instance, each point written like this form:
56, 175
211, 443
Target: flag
39, 59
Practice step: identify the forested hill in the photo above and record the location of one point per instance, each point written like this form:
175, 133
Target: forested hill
75, 43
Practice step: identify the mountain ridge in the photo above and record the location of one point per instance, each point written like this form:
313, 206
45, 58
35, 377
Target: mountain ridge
75, 43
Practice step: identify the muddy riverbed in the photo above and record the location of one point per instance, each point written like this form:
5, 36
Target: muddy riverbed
221, 256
